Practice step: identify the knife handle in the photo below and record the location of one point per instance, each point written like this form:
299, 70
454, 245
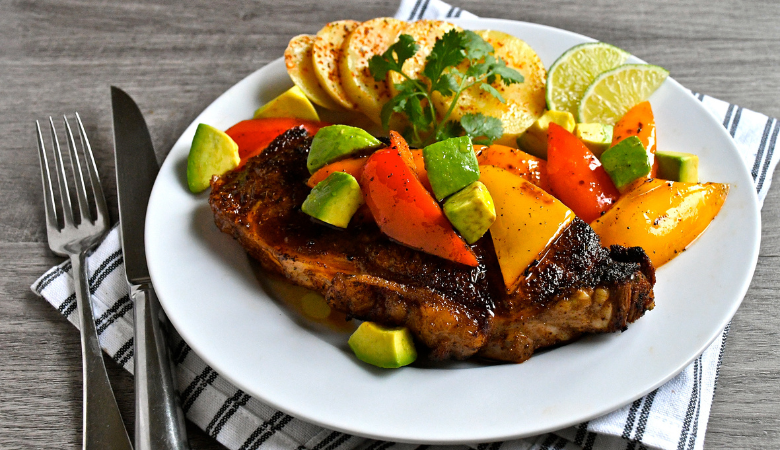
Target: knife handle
159, 420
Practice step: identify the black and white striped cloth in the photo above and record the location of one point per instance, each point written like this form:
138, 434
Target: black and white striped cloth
673, 416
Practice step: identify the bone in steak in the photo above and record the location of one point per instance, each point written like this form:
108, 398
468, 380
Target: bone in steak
457, 311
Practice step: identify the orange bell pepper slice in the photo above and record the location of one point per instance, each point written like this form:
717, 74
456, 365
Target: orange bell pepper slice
663, 217
352, 166
398, 144
406, 212
254, 135
640, 122
576, 176
413, 158
520, 163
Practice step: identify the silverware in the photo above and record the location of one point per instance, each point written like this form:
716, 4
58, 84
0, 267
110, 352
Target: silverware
159, 421
102, 423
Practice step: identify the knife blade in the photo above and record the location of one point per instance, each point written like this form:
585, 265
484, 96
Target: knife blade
159, 419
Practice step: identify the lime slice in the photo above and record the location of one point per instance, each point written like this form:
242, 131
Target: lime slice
618, 90
572, 73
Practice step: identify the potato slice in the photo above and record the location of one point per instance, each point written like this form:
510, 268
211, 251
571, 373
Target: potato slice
366, 40
525, 101
326, 54
298, 60
425, 34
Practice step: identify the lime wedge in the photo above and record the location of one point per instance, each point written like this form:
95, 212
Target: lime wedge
616, 91
572, 73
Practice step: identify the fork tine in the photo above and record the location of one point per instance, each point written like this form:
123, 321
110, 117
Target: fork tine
81, 191
48, 194
94, 177
67, 211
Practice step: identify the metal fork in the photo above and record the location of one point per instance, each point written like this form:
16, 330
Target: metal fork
102, 423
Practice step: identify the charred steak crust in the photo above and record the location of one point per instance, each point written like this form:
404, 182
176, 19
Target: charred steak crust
576, 287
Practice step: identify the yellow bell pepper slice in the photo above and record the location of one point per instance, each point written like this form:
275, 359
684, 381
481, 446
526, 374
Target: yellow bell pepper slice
662, 217
528, 219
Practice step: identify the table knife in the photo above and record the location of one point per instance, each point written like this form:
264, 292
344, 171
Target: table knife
159, 421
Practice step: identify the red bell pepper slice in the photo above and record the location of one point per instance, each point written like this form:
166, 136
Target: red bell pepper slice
576, 176
406, 212
254, 135
640, 122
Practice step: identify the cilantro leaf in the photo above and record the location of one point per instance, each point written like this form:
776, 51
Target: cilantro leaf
446, 84
404, 48
378, 66
493, 91
393, 58
450, 129
508, 75
406, 89
476, 47
482, 129
414, 111
478, 69
446, 52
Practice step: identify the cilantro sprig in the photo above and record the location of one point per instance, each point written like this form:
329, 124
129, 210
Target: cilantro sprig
446, 74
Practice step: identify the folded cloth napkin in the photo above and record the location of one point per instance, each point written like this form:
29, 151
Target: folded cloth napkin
673, 416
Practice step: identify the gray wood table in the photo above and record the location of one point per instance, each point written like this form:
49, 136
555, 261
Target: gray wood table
174, 59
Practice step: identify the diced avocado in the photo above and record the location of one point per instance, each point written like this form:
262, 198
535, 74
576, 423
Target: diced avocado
471, 211
334, 200
212, 153
678, 166
596, 136
534, 139
451, 165
336, 141
626, 161
290, 103
382, 346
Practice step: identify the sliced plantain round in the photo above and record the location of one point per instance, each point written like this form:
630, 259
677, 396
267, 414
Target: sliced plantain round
525, 102
425, 34
298, 60
325, 56
366, 40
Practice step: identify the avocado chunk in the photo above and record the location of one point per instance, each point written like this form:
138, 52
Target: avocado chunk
334, 200
626, 161
471, 211
534, 139
596, 136
335, 142
386, 347
290, 103
212, 153
678, 166
451, 165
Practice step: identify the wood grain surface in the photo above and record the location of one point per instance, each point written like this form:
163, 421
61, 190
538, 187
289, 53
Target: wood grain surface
175, 58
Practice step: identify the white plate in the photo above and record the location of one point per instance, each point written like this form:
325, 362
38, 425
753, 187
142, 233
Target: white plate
214, 299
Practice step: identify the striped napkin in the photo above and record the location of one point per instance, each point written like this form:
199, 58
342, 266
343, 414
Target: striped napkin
673, 416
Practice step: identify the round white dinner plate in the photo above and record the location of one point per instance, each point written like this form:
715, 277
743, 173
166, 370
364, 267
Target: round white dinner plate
214, 298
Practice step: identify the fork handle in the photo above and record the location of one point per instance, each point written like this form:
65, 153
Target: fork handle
102, 425
159, 420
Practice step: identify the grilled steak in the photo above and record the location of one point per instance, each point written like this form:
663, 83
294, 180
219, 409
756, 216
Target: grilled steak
456, 311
